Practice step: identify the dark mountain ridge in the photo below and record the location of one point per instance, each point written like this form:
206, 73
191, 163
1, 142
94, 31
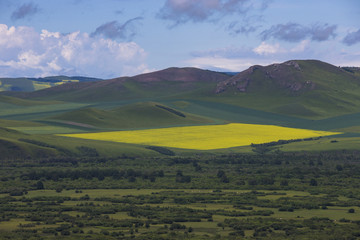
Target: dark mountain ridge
302, 88
160, 83
27, 84
293, 76
306, 88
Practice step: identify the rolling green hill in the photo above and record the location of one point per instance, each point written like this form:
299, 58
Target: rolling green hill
18, 145
23, 102
303, 88
165, 83
11, 146
302, 94
33, 84
139, 115
307, 88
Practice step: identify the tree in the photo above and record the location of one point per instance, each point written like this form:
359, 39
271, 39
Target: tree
339, 167
39, 185
179, 173
220, 173
284, 183
132, 179
224, 179
313, 182
351, 210
260, 149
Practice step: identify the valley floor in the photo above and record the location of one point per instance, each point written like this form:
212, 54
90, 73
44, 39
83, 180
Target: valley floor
208, 196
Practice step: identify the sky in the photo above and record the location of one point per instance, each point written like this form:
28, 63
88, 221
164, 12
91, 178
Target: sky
113, 38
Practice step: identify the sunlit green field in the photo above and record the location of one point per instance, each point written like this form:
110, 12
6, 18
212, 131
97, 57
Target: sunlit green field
210, 227
205, 137
46, 130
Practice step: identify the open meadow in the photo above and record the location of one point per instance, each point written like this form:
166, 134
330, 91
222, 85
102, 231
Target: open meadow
207, 196
177, 166
206, 137
179, 120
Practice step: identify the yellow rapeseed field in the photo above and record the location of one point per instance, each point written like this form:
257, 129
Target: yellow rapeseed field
204, 137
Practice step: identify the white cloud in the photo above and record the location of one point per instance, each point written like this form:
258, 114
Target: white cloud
238, 59
301, 47
225, 64
218, 62
182, 11
265, 49
25, 52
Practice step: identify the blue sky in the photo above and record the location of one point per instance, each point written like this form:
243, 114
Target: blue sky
111, 38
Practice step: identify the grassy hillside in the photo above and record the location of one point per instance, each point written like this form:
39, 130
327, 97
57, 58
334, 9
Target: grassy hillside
299, 94
11, 146
33, 84
303, 88
164, 83
23, 102
139, 115
18, 145
308, 89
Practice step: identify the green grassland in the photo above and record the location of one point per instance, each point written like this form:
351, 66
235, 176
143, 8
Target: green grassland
16, 144
27, 85
219, 210
54, 187
228, 197
23, 102
41, 120
336, 92
139, 115
314, 90
33, 84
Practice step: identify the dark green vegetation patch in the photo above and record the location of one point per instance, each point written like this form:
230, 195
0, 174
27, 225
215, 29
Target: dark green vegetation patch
229, 196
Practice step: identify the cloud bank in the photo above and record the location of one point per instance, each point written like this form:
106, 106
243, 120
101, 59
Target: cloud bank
25, 52
236, 59
352, 38
25, 10
115, 30
182, 11
294, 32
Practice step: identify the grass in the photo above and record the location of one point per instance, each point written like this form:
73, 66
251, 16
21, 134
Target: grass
332, 212
31, 84
336, 92
32, 112
40, 119
353, 129
138, 115
93, 193
24, 102
227, 111
47, 130
22, 84
335, 213
324, 144
41, 85
12, 147
14, 124
12, 224
205, 137
106, 149
202, 228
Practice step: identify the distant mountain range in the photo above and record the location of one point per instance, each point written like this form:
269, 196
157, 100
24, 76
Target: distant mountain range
24, 84
303, 88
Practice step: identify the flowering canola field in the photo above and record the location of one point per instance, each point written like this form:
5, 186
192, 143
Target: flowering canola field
205, 137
